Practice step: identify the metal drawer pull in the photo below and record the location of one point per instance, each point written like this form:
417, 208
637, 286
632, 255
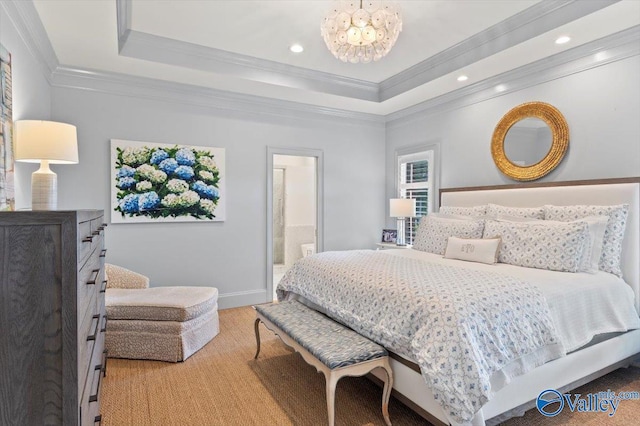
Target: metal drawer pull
104, 324
105, 354
104, 286
95, 233
103, 253
94, 397
87, 239
95, 273
98, 420
95, 330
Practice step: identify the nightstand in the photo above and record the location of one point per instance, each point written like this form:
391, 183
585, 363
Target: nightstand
389, 246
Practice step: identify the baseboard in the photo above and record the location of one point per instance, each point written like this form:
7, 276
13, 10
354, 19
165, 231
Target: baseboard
241, 298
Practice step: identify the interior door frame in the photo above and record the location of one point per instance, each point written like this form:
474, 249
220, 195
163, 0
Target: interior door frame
302, 152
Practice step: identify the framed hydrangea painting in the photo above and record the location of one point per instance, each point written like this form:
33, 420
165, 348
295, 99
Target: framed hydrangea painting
153, 182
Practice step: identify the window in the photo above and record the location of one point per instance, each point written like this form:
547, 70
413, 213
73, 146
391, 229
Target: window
415, 180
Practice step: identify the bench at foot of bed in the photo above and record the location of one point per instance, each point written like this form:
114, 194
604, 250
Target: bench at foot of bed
331, 348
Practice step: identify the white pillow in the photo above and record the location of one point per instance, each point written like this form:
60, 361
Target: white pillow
434, 232
556, 247
473, 249
477, 211
613, 235
593, 247
494, 210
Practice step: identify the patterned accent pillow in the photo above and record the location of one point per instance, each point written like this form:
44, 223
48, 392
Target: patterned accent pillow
494, 210
477, 211
613, 235
556, 247
434, 232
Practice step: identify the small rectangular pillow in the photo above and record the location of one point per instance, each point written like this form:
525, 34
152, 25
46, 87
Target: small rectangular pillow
433, 232
613, 235
494, 210
473, 249
476, 211
556, 247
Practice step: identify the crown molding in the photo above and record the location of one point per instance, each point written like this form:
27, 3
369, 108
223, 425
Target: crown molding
615, 47
150, 47
224, 102
529, 23
25, 18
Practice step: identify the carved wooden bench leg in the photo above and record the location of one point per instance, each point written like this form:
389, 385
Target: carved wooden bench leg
256, 328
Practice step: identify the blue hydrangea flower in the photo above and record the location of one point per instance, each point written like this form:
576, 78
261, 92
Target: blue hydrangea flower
168, 165
129, 204
148, 201
184, 172
185, 157
158, 156
126, 182
126, 171
204, 190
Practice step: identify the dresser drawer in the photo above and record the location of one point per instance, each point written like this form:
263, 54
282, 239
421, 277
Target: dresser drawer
89, 332
84, 241
90, 279
91, 395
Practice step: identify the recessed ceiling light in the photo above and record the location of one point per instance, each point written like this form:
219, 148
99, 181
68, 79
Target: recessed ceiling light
463, 78
296, 48
501, 88
563, 40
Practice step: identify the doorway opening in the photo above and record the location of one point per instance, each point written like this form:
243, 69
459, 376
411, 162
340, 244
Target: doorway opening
294, 211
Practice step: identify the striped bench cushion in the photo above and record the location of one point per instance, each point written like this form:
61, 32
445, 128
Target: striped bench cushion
333, 344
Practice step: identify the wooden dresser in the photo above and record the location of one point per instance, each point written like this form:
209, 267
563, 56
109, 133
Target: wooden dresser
52, 317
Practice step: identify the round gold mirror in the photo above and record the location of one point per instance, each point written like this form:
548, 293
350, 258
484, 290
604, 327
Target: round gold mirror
530, 141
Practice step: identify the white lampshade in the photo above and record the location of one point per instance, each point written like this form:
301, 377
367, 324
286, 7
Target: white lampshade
46, 140
402, 207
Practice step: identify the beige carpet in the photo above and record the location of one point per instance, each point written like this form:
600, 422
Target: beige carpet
222, 385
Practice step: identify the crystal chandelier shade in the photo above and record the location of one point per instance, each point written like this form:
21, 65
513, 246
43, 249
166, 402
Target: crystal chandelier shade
361, 31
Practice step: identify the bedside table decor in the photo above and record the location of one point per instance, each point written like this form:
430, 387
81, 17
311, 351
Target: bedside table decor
402, 208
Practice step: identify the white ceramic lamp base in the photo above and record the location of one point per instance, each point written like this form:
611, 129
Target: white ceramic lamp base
44, 188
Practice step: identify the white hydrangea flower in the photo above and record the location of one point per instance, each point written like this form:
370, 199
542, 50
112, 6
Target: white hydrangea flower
158, 176
207, 205
129, 156
205, 175
177, 185
143, 154
145, 185
188, 198
170, 200
208, 163
146, 170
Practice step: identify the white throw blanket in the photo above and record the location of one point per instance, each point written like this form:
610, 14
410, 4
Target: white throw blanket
459, 324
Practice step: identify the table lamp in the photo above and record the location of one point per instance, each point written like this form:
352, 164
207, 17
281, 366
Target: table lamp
45, 142
401, 208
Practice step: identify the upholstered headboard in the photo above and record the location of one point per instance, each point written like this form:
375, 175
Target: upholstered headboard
597, 192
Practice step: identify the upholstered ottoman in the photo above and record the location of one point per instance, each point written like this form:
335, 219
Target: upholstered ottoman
159, 323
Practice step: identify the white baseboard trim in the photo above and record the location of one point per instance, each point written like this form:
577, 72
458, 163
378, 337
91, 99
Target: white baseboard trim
241, 298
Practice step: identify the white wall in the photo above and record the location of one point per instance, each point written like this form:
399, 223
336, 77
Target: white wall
601, 106
31, 97
229, 255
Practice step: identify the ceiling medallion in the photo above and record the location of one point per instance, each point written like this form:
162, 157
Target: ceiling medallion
361, 31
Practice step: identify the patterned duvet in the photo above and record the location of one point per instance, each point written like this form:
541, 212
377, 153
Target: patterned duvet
460, 325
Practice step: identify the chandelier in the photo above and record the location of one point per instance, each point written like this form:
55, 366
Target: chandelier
361, 31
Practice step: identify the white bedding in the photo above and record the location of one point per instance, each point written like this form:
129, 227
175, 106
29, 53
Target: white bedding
582, 305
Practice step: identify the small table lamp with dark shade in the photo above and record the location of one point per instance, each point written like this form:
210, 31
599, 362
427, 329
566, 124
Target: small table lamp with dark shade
401, 208
45, 142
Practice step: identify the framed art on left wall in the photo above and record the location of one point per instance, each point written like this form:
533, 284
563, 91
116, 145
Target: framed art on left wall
154, 182
7, 198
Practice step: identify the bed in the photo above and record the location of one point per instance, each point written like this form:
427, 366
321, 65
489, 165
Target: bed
585, 326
